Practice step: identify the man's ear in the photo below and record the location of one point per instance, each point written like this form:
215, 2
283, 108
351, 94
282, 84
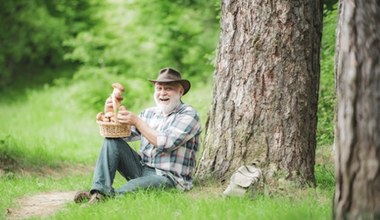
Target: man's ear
181, 90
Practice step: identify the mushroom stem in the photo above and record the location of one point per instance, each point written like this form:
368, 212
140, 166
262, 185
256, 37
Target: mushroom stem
117, 97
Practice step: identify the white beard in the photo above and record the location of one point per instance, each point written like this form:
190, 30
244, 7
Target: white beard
169, 107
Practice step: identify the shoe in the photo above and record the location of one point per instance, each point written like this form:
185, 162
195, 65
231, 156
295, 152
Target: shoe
82, 196
96, 197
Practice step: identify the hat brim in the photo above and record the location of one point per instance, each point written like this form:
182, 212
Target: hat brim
185, 83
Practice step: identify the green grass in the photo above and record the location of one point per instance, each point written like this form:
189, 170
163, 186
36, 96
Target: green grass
200, 203
39, 132
51, 128
325, 128
57, 138
15, 186
172, 205
46, 128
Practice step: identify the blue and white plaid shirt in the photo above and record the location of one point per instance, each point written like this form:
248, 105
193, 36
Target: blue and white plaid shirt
178, 143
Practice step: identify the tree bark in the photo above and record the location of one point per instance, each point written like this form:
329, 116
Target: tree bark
265, 90
357, 139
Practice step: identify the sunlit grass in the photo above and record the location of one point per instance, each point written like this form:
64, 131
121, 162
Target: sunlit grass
175, 205
50, 128
55, 131
199, 203
203, 202
47, 128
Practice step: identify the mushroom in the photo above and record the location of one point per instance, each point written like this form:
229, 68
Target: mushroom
118, 90
107, 117
116, 96
99, 116
107, 108
109, 114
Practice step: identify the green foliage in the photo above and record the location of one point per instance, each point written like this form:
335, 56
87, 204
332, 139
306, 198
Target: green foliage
324, 175
107, 40
329, 5
184, 33
326, 104
32, 32
140, 37
200, 97
90, 87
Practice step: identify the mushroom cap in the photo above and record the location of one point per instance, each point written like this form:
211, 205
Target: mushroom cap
99, 116
119, 97
118, 86
109, 114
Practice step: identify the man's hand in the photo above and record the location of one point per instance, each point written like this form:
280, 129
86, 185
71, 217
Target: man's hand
126, 117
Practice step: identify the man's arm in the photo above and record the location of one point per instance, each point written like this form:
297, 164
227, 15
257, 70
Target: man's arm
148, 132
185, 127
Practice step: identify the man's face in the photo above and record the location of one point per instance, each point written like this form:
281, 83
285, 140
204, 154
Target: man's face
167, 96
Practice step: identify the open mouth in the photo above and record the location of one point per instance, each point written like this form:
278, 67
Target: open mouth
164, 99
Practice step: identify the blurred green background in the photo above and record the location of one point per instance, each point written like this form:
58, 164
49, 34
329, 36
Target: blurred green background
59, 58
65, 42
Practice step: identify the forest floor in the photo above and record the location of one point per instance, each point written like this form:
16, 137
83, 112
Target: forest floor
46, 204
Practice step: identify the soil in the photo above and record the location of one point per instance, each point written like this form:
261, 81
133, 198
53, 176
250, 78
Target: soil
40, 205
46, 203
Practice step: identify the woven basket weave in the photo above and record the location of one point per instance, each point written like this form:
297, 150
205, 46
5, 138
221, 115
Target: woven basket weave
114, 130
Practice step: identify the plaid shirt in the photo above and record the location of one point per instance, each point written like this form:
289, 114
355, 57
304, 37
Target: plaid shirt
178, 143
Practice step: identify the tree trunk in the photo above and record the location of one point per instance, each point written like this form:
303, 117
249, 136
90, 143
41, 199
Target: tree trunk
265, 90
357, 138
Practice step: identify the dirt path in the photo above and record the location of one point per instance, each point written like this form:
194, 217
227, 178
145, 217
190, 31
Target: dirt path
48, 203
40, 205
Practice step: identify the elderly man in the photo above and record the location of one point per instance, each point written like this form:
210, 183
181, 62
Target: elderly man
169, 140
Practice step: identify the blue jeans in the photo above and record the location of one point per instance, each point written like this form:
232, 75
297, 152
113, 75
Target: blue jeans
117, 155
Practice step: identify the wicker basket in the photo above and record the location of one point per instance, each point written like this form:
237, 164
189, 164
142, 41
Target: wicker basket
114, 130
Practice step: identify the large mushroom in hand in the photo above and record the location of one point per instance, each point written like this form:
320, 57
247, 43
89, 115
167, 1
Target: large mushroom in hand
117, 96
